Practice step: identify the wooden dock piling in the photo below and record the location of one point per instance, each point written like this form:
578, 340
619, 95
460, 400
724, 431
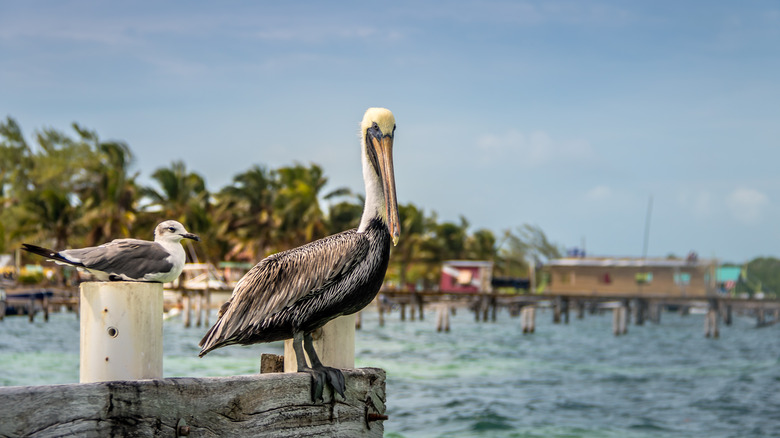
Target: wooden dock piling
380, 308
620, 320
443, 317
528, 319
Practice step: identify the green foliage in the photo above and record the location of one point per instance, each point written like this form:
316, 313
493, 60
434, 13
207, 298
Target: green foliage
763, 275
75, 190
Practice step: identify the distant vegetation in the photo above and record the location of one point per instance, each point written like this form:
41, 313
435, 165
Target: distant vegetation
761, 274
78, 190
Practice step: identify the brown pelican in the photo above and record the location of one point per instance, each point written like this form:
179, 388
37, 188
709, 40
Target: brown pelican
292, 293
160, 261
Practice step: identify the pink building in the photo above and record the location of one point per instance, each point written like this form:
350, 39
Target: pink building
466, 276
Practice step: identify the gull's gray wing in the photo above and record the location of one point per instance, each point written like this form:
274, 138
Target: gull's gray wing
132, 257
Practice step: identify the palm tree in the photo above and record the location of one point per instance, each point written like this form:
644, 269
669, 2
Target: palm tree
528, 243
449, 240
300, 219
346, 214
183, 197
15, 165
410, 248
244, 212
481, 245
109, 193
48, 207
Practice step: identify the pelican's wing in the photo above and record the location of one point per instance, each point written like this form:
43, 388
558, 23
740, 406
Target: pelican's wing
131, 257
280, 280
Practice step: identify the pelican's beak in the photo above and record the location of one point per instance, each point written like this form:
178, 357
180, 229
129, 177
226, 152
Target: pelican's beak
191, 236
384, 154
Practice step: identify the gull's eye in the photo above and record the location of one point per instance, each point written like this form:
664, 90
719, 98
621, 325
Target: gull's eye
171, 229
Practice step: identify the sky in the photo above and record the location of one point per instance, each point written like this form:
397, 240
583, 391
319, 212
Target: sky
567, 115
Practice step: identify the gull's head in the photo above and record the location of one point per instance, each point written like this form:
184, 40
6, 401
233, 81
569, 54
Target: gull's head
172, 231
377, 132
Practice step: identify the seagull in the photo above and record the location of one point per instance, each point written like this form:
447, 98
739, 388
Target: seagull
292, 293
160, 261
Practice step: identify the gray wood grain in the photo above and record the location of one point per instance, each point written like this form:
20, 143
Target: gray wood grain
277, 405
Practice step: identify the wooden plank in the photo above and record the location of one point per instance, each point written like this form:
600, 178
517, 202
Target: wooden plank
277, 405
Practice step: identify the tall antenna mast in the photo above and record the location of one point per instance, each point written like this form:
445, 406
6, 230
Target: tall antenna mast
647, 227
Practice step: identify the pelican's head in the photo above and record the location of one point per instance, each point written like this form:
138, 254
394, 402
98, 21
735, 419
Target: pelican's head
377, 131
171, 230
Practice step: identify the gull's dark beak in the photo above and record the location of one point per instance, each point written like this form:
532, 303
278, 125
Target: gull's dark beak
191, 236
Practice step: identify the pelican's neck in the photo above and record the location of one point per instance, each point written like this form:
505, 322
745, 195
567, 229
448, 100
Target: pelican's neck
375, 197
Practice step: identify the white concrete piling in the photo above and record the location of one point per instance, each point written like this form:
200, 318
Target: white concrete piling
121, 331
334, 343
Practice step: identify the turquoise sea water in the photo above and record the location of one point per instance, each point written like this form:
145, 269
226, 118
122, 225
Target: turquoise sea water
489, 380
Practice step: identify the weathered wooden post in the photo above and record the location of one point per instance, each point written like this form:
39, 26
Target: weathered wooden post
711, 324
524, 319
580, 305
711, 320
557, 310
207, 297
624, 318
121, 331
760, 317
616, 321
443, 317
641, 309
381, 310
31, 309
727, 314
45, 305
403, 311
187, 310
528, 319
620, 320
198, 308
334, 343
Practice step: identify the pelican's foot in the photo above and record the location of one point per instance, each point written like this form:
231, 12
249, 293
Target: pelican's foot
319, 375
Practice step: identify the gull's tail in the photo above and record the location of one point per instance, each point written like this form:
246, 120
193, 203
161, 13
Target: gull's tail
49, 254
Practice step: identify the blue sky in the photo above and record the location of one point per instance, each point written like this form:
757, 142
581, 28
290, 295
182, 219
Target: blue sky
566, 115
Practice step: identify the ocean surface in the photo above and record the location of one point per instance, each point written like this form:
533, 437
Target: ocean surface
490, 380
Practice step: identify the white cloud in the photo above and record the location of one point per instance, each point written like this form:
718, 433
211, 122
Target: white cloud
534, 149
747, 205
598, 193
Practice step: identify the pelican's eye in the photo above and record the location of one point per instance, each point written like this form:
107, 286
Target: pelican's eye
374, 131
